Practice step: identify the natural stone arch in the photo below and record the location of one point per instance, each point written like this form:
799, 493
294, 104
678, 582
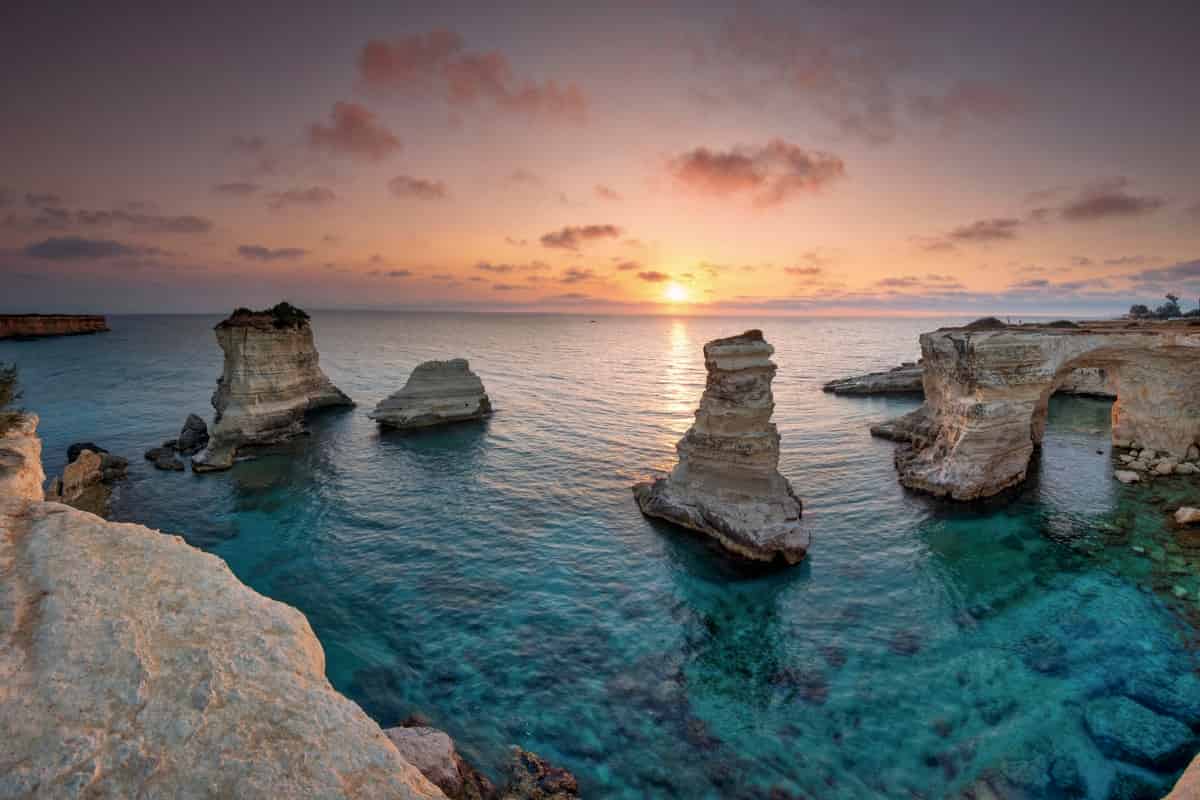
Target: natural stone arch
986, 393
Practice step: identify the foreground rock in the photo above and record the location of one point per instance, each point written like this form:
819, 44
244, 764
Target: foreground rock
137, 666
87, 481
1188, 785
432, 752
271, 379
987, 390
904, 379
436, 392
727, 482
37, 326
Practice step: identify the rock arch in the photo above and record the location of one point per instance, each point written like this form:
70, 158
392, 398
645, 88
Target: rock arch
986, 394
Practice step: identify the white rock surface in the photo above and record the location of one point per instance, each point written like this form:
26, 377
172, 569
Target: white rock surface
1188, 516
987, 388
436, 392
133, 665
1127, 476
432, 752
271, 379
727, 482
21, 474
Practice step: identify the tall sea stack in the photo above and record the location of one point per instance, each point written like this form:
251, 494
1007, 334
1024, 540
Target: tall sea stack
727, 482
271, 379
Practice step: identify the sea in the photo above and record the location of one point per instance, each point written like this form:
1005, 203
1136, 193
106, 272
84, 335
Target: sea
497, 579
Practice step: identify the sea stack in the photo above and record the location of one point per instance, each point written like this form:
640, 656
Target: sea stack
437, 392
271, 379
727, 482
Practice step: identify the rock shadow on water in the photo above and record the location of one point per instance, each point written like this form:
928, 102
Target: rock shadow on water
705, 559
431, 447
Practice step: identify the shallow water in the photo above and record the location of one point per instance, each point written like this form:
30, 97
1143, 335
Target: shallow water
497, 577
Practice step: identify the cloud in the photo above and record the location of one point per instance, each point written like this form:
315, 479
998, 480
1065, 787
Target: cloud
573, 236
256, 252
967, 100
34, 200
523, 177
804, 271
771, 174
312, 197
353, 132
928, 284
149, 223
987, 230
504, 269
607, 193
498, 268
506, 287
1109, 198
1081, 261
576, 275
1168, 278
437, 61
420, 188
77, 248
391, 273
628, 266
1126, 261
257, 150
653, 276
237, 188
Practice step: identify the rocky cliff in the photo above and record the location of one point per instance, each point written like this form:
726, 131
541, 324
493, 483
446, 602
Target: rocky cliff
986, 394
36, 326
727, 482
436, 392
271, 379
134, 665
908, 378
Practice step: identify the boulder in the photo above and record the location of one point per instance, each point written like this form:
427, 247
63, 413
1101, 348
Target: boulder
1128, 731
1173, 694
436, 392
193, 437
164, 458
727, 482
78, 447
532, 778
1127, 476
1188, 515
1165, 467
82, 484
432, 752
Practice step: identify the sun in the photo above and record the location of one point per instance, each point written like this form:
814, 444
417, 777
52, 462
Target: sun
675, 293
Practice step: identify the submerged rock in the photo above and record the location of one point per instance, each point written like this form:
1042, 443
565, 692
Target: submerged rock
136, 665
1128, 731
436, 392
271, 379
727, 482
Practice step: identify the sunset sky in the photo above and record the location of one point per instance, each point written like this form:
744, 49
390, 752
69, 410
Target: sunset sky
823, 158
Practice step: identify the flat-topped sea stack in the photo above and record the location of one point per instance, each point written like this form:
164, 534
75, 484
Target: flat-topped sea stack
436, 393
727, 482
271, 379
37, 326
987, 386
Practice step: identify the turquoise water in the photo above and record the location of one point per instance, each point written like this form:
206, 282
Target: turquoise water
498, 579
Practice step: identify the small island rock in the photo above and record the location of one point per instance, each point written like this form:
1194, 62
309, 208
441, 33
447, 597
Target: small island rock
727, 482
193, 437
436, 392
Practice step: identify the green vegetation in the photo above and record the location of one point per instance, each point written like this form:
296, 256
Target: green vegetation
1167, 310
9, 394
283, 315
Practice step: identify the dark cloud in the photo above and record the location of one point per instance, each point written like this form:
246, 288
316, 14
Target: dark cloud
420, 188
770, 174
311, 197
628, 266
34, 200
506, 287
437, 61
1167, 278
967, 100
498, 268
576, 275
573, 236
987, 230
504, 269
237, 188
929, 284
1107, 199
1081, 261
148, 223
77, 248
353, 132
391, 273
523, 177
256, 252
607, 193
653, 276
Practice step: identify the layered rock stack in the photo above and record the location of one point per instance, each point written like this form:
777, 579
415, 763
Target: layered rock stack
727, 482
436, 392
271, 379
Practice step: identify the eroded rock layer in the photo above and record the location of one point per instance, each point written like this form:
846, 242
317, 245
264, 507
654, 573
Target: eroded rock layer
37, 326
271, 379
986, 394
727, 482
904, 379
134, 665
436, 392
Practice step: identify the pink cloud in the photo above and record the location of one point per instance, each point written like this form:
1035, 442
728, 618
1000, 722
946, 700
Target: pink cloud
771, 174
354, 132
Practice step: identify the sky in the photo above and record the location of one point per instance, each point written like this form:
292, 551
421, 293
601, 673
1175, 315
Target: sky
858, 157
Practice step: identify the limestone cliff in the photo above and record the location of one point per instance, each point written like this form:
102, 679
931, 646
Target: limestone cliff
986, 394
271, 379
134, 665
727, 482
436, 392
904, 379
37, 326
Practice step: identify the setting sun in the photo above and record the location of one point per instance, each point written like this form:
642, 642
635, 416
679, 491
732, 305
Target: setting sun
674, 293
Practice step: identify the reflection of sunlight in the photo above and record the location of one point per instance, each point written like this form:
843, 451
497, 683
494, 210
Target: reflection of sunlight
679, 393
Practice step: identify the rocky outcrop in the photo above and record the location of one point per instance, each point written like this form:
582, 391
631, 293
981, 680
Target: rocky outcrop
433, 752
1126, 730
137, 666
37, 326
987, 392
530, 777
1187, 516
164, 458
727, 482
193, 437
436, 392
87, 480
270, 380
904, 379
